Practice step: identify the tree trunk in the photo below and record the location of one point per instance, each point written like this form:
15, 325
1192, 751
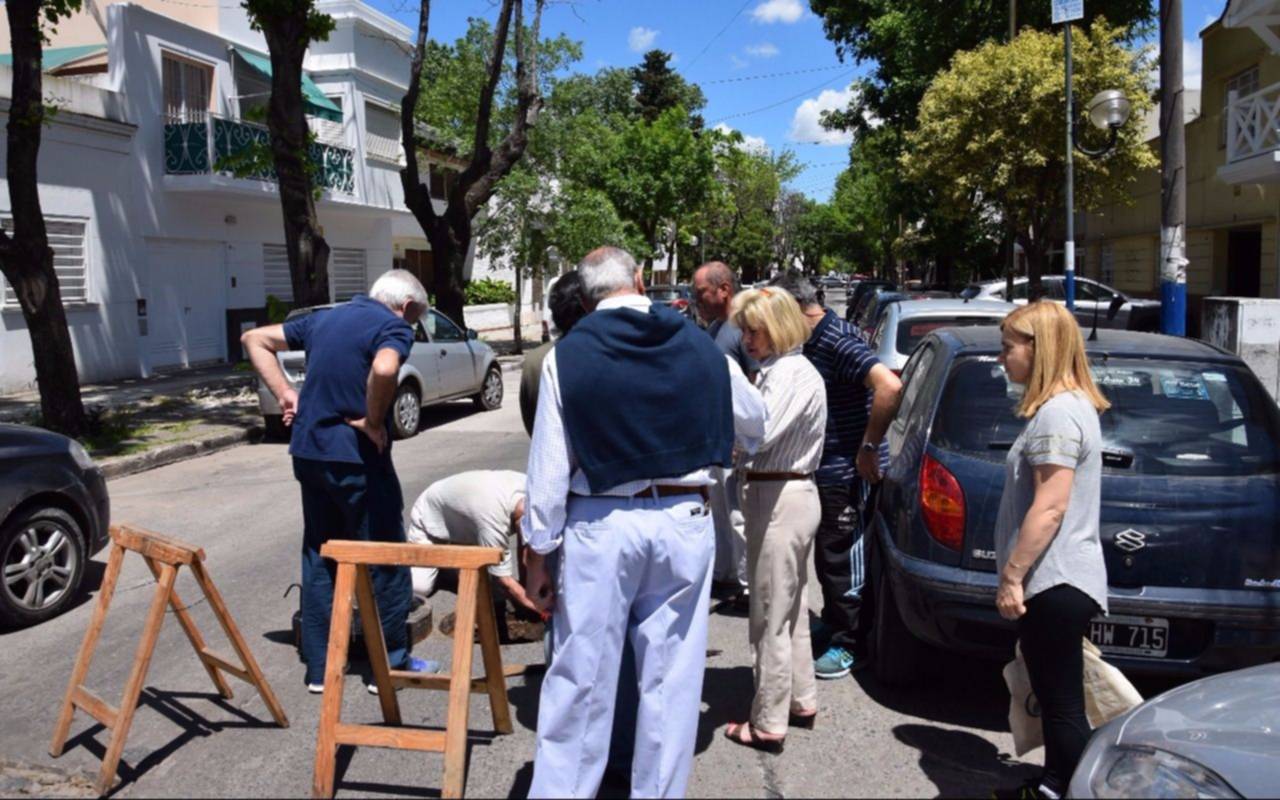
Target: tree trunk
25, 258
449, 250
308, 251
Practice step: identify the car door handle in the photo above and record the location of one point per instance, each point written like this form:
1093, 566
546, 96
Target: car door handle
444, 352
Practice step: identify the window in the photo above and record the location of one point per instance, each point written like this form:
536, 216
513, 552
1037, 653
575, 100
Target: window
442, 328
346, 273
440, 181
1108, 264
253, 91
382, 133
1242, 83
66, 238
276, 280
1088, 290
187, 88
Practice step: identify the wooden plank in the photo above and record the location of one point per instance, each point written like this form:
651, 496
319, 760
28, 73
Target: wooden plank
95, 706
154, 545
455, 750
495, 681
376, 646
335, 666
193, 633
81, 670
209, 657
449, 556
394, 738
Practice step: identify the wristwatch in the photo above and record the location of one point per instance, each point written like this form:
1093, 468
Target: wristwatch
868, 447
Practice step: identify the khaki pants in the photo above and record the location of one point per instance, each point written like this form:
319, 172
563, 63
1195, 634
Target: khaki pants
782, 518
731, 541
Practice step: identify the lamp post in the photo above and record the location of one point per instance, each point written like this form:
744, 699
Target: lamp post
1108, 110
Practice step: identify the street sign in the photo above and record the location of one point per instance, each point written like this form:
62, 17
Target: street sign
1067, 11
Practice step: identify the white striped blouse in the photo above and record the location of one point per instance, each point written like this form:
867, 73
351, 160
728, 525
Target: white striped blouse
796, 399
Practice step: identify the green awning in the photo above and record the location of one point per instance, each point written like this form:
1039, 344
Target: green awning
314, 100
54, 57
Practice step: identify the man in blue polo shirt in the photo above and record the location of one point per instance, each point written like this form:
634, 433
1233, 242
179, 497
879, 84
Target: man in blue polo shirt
862, 399
341, 450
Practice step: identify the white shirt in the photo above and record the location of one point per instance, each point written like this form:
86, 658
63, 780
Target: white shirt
470, 508
553, 472
796, 398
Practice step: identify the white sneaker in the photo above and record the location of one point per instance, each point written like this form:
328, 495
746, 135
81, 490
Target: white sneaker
315, 688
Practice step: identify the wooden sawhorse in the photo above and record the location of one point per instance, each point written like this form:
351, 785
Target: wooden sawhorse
475, 606
163, 556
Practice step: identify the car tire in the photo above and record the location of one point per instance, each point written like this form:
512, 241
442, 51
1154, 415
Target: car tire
50, 542
899, 656
406, 411
489, 398
275, 429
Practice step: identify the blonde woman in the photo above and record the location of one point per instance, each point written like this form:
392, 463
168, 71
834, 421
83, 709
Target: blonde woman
1053, 579
781, 508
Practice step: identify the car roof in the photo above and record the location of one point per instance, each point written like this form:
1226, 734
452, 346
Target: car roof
984, 340
942, 306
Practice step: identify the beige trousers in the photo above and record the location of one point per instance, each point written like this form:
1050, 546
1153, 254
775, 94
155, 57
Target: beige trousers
782, 520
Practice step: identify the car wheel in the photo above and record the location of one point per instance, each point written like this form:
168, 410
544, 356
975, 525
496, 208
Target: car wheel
490, 395
42, 558
407, 411
275, 428
899, 655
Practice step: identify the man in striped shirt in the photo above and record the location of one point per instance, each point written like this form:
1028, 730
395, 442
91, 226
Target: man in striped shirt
862, 399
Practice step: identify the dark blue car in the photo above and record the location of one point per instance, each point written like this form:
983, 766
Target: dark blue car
1190, 506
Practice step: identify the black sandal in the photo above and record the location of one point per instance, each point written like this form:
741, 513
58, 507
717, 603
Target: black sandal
734, 734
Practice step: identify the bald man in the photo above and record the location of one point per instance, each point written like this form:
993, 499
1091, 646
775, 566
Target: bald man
714, 286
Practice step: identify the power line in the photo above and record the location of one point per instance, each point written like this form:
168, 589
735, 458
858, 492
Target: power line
768, 75
732, 19
786, 100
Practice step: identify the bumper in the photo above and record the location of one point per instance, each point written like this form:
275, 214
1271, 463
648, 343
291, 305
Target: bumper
1211, 630
97, 510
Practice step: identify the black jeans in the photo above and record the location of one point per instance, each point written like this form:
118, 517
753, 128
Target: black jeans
1050, 633
840, 564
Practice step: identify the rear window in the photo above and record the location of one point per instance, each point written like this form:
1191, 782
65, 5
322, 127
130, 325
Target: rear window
910, 332
663, 295
1166, 418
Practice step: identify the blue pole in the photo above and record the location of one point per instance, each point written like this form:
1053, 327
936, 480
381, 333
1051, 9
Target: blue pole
1173, 178
1069, 245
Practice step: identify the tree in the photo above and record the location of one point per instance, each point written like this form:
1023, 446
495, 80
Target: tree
990, 132
289, 26
450, 233
25, 256
659, 88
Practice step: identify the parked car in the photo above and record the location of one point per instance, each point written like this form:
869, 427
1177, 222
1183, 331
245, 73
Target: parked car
1093, 301
1215, 737
54, 515
678, 297
904, 324
1190, 493
445, 363
858, 292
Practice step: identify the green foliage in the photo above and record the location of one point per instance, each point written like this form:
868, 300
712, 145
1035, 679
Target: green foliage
265, 14
659, 88
489, 290
277, 309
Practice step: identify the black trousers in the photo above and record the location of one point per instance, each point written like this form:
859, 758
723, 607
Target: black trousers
1050, 633
841, 565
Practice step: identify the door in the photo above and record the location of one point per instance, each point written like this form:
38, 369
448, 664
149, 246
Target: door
425, 358
186, 303
1244, 263
453, 354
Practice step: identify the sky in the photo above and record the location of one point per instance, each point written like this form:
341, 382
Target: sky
765, 66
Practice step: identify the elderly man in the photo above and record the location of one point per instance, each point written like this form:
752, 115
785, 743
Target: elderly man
617, 484
341, 450
856, 382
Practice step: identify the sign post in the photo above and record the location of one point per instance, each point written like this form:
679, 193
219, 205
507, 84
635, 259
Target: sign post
1064, 13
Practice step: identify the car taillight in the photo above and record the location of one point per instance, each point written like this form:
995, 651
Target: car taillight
941, 503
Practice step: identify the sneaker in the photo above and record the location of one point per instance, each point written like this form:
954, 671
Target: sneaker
426, 666
1031, 789
315, 688
835, 663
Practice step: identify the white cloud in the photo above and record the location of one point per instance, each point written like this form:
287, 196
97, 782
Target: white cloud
806, 124
1192, 64
769, 11
641, 39
762, 50
750, 144
737, 62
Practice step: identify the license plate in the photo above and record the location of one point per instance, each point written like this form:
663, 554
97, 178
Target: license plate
1131, 636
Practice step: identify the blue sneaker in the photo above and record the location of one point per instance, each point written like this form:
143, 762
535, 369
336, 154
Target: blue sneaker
835, 663
424, 665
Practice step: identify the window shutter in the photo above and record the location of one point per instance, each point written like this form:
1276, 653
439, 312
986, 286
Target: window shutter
275, 272
346, 273
67, 239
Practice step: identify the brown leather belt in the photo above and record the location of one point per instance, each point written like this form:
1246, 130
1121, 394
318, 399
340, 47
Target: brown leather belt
779, 476
663, 490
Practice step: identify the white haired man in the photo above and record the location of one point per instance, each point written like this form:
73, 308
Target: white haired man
618, 486
340, 448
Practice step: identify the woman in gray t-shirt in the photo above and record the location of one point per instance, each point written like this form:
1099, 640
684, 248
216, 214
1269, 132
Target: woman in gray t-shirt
1053, 579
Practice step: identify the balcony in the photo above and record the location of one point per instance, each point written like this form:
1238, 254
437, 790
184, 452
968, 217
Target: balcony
201, 145
1253, 137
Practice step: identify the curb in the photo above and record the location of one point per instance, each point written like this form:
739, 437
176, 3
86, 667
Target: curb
170, 454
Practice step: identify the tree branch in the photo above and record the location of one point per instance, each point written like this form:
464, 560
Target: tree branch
480, 151
416, 196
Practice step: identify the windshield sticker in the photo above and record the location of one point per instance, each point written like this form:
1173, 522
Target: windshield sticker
989, 359
1120, 377
1192, 457
1184, 388
1214, 377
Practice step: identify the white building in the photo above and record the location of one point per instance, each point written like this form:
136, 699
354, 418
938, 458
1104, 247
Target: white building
162, 258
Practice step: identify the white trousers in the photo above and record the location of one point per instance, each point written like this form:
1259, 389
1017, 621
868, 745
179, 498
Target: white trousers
637, 568
731, 535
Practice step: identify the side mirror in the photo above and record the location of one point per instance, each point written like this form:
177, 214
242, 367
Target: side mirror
472, 335
1116, 304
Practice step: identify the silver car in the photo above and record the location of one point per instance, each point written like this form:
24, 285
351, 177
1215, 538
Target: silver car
1215, 737
445, 363
1094, 301
903, 324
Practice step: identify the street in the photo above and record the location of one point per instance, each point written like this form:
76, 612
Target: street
241, 506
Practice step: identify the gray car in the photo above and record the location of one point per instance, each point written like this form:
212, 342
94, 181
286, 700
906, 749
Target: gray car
1093, 301
54, 515
446, 363
904, 324
1215, 737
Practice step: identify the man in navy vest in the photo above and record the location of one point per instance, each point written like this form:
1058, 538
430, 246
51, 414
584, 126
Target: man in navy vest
636, 408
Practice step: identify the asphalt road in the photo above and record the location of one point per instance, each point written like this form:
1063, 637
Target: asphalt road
947, 738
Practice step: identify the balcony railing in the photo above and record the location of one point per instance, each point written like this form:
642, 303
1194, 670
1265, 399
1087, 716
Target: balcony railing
1253, 123
198, 144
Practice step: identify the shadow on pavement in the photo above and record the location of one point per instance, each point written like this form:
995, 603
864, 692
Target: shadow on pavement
961, 691
962, 764
727, 693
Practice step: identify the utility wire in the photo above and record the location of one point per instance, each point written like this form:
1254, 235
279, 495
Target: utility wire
786, 100
720, 33
769, 75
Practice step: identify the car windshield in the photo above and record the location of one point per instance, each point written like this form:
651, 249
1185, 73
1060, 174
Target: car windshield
663, 294
911, 331
1166, 417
